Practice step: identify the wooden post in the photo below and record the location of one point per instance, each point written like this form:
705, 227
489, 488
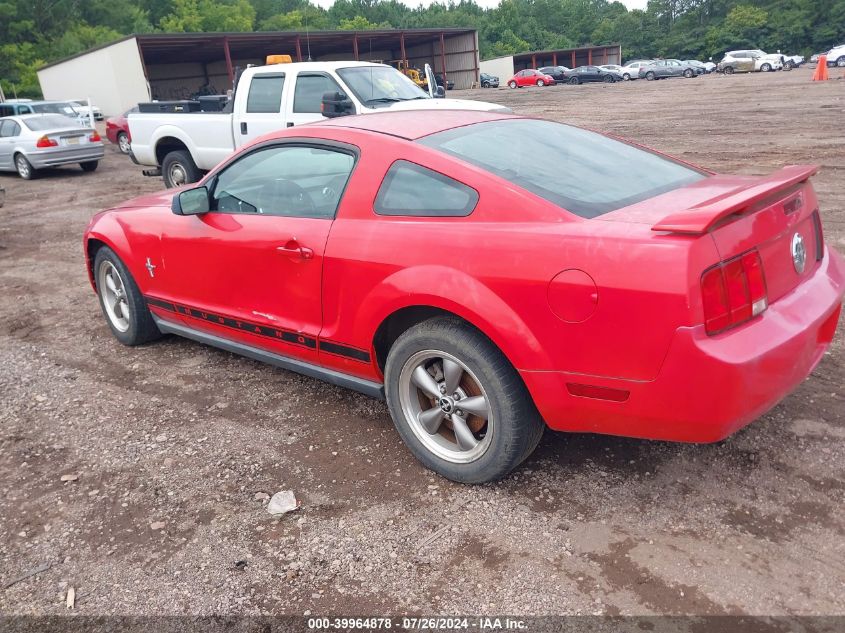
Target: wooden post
228, 54
554, 59
402, 48
533, 61
443, 58
573, 59
298, 50
589, 57
355, 46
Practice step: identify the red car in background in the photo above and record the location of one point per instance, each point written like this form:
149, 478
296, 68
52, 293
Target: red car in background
117, 130
530, 77
489, 275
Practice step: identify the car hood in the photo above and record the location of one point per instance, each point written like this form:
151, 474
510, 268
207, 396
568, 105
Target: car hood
447, 104
159, 199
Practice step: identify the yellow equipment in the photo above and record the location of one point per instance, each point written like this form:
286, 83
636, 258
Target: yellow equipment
414, 74
279, 59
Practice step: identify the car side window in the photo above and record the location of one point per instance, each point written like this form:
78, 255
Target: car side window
265, 93
9, 129
284, 180
412, 190
6, 110
308, 94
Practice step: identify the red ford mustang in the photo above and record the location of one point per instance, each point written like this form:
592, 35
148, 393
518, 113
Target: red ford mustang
489, 275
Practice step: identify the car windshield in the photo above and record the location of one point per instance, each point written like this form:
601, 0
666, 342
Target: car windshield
55, 108
583, 172
380, 85
46, 122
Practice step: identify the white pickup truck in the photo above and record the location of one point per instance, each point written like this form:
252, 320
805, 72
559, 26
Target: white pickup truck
184, 145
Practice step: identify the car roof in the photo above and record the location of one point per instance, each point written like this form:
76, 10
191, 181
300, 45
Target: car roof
415, 124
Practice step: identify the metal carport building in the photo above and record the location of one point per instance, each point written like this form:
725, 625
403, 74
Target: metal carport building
175, 65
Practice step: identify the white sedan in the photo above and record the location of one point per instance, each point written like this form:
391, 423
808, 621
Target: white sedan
631, 70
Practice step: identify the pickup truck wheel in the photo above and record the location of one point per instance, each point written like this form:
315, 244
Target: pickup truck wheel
178, 168
123, 142
123, 305
458, 403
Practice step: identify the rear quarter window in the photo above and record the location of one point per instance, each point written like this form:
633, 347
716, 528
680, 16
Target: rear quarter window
412, 190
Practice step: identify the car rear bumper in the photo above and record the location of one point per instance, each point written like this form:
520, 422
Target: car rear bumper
65, 155
708, 386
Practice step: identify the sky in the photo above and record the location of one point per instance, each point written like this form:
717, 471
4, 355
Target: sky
631, 4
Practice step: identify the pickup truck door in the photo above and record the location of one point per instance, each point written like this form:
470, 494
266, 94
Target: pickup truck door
250, 269
260, 110
306, 97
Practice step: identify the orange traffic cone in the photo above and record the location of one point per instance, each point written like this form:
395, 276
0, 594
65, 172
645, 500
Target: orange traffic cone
821, 69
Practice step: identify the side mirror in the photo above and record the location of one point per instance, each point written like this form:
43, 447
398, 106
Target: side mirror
335, 104
191, 202
440, 93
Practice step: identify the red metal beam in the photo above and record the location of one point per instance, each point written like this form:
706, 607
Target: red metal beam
589, 57
402, 47
355, 46
298, 50
573, 60
229, 69
554, 59
533, 61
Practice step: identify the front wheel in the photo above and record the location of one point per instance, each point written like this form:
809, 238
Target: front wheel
458, 403
626, 77
688, 73
840, 62
511, 84
766, 68
90, 165
485, 84
649, 76
178, 168
541, 83
607, 79
123, 305
729, 70
574, 81
123, 142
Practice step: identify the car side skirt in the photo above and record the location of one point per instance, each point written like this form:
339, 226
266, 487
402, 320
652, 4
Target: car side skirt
366, 387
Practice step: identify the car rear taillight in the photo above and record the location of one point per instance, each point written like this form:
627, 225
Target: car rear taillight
94, 138
46, 141
733, 292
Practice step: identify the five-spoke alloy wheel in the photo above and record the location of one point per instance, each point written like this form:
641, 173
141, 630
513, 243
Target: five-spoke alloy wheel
458, 403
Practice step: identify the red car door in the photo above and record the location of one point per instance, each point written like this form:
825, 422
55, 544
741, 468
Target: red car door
526, 78
251, 268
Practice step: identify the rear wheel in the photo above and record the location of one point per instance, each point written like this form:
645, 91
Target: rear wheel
458, 403
626, 77
123, 305
511, 84
178, 168
574, 81
123, 142
688, 73
840, 62
24, 167
608, 79
649, 75
729, 70
541, 83
91, 165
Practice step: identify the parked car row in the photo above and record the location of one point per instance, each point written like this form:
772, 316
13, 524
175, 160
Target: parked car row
72, 109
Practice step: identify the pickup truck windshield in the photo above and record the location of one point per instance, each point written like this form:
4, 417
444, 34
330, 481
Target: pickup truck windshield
379, 86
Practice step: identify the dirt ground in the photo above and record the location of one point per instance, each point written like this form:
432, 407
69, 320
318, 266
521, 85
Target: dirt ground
178, 433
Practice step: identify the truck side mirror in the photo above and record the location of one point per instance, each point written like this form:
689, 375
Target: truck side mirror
335, 104
440, 93
191, 202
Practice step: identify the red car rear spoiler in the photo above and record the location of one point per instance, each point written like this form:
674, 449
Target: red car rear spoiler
703, 217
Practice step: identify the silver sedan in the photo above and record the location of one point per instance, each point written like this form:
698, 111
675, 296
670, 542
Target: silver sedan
35, 141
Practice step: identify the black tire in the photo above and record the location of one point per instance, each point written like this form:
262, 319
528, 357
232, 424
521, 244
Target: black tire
574, 81
512, 84
90, 165
178, 168
688, 73
485, 84
765, 68
541, 83
840, 62
141, 327
608, 79
123, 142
626, 77
24, 167
517, 425
729, 70
650, 76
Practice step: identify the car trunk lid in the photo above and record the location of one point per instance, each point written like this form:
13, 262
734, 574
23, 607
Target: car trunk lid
777, 215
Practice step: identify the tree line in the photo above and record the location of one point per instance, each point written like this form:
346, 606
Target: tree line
35, 32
